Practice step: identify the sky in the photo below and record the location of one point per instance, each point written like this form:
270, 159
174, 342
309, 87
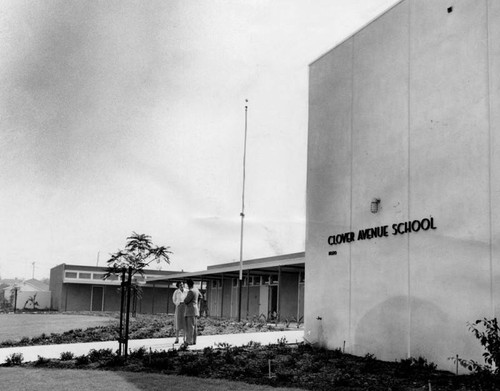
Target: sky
125, 116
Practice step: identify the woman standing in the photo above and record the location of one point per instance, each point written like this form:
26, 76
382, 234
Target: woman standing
179, 320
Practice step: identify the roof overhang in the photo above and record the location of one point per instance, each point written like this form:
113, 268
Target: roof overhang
294, 265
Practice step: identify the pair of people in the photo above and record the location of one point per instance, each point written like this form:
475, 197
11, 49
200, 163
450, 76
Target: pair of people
186, 311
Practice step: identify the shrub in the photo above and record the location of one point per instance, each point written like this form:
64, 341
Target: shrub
414, 367
138, 353
163, 360
82, 360
41, 361
304, 347
14, 359
369, 363
7, 343
308, 364
223, 345
252, 344
487, 331
66, 356
192, 365
24, 341
98, 355
112, 361
183, 347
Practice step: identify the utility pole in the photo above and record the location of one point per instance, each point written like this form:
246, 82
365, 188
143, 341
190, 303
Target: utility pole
242, 214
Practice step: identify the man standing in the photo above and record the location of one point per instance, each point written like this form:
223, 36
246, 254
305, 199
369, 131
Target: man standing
191, 313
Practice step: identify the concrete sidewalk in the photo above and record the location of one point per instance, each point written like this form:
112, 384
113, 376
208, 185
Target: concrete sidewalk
31, 353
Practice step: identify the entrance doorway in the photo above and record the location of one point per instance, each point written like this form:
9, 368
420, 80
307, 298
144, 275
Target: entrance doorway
273, 302
97, 298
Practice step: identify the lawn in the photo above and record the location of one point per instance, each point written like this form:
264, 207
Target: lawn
43, 329
16, 326
81, 380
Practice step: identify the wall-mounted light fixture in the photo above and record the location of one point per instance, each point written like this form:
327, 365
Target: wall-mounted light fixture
374, 206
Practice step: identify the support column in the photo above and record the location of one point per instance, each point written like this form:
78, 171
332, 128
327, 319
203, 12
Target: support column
248, 293
278, 309
222, 297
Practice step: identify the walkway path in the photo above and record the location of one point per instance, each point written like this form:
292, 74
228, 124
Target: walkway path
31, 353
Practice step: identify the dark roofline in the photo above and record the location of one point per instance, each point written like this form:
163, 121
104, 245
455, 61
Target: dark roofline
265, 265
259, 260
102, 268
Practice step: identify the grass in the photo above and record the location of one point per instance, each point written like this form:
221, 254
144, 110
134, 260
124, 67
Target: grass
17, 326
39, 329
81, 380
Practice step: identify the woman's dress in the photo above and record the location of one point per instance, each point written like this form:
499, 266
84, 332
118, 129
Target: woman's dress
178, 299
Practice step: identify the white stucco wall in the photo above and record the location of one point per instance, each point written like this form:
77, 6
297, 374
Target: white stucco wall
406, 111
25, 300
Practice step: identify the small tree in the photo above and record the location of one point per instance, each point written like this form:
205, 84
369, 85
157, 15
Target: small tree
139, 253
488, 334
487, 331
32, 301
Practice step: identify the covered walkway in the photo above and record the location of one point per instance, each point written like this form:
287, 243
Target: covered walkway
272, 288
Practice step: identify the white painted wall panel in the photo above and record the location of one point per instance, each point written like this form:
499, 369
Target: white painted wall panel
494, 91
380, 149
449, 175
328, 200
408, 111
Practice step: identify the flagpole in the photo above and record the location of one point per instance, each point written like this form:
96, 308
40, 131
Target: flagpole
242, 214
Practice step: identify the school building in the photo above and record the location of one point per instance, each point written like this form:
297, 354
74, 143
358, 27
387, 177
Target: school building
403, 183
82, 288
273, 288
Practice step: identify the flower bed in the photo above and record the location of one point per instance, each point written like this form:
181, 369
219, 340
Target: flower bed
280, 365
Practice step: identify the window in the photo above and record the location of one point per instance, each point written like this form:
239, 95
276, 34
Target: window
70, 275
268, 280
84, 276
97, 276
